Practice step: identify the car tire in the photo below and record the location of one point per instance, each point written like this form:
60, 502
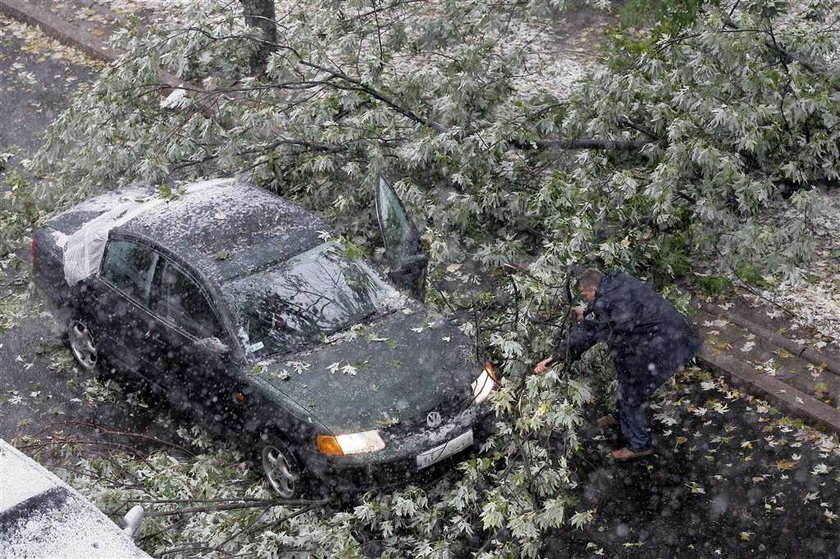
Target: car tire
280, 467
82, 345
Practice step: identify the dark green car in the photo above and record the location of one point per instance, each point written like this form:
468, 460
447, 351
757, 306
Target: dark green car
235, 304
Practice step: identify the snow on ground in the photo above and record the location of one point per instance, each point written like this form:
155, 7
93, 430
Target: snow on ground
816, 300
560, 51
156, 6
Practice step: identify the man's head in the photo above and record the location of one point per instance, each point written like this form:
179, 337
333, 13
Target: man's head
588, 283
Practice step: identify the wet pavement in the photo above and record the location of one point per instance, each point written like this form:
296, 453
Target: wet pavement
37, 78
731, 477
42, 395
45, 399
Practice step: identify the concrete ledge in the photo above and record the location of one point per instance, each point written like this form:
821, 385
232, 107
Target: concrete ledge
94, 47
802, 351
57, 28
786, 397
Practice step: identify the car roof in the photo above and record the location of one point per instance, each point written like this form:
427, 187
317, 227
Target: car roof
227, 228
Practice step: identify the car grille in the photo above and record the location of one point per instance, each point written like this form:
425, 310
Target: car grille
417, 423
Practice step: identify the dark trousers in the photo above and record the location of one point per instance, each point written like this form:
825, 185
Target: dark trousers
632, 408
633, 422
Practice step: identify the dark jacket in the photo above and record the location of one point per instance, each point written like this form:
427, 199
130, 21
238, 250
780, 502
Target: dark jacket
648, 338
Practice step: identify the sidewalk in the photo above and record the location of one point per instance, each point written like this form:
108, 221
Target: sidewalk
66, 22
743, 345
740, 344
82, 24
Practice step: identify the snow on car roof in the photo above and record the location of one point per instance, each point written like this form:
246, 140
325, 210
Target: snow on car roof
71, 220
82, 231
41, 516
225, 227
229, 228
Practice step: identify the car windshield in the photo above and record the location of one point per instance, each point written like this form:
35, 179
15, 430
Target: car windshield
306, 298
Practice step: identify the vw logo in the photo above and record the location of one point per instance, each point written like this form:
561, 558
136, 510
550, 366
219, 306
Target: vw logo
433, 419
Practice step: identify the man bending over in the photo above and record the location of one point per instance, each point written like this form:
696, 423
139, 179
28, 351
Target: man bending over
649, 340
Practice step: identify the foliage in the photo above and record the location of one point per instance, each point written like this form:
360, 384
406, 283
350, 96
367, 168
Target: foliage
18, 213
713, 285
664, 15
642, 23
738, 111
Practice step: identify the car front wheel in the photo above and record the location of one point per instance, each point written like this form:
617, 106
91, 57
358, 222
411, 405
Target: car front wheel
280, 468
82, 344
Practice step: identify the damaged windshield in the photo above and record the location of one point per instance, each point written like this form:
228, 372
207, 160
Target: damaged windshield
306, 298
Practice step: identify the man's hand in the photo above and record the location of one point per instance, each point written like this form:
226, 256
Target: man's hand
543, 366
579, 313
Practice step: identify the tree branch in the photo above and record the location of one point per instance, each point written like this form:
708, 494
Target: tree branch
585, 143
363, 87
102, 429
235, 506
784, 52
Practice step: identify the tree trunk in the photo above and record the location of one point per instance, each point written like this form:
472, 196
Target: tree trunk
260, 14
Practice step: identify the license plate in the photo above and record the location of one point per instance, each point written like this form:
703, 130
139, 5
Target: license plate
447, 449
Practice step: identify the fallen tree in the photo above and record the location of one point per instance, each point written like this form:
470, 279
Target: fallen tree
671, 152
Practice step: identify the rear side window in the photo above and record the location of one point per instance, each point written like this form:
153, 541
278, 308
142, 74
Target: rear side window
181, 301
129, 267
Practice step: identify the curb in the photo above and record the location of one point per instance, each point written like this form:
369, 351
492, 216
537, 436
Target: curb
801, 351
70, 35
790, 399
58, 29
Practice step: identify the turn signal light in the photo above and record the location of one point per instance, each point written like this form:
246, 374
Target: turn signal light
485, 384
328, 444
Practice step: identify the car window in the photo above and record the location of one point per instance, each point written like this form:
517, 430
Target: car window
129, 267
181, 300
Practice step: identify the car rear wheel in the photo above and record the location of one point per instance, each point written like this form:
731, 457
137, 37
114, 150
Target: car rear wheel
82, 344
280, 468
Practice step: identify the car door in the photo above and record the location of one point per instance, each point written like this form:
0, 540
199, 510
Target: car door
196, 361
403, 248
117, 301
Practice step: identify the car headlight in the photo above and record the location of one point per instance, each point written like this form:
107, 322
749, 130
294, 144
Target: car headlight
484, 385
351, 443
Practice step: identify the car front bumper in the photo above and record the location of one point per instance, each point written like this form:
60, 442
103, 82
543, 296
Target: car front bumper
397, 464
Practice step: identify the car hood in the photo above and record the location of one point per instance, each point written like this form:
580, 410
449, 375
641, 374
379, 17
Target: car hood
377, 374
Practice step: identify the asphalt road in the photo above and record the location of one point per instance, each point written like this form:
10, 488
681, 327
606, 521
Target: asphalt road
731, 477
37, 78
41, 392
45, 396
